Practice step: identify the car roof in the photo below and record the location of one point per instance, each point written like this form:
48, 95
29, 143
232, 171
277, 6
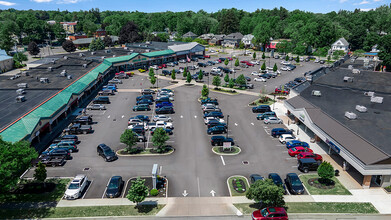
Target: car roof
276, 210
218, 137
292, 175
79, 177
307, 160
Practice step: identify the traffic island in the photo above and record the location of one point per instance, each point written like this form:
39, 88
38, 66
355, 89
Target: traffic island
161, 186
264, 100
238, 185
173, 82
232, 151
316, 187
147, 152
225, 91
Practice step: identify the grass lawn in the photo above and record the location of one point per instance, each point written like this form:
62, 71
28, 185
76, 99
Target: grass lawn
145, 152
233, 191
339, 189
88, 211
55, 195
317, 207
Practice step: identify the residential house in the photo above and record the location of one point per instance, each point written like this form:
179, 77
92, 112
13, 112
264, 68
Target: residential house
217, 40
85, 42
232, 40
69, 27
173, 36
247, 40
6, 62
51, 22
100, 33
190, 35
340, 44
206, 37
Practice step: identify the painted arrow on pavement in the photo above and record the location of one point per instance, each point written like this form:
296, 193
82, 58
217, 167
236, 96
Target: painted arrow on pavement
185, 193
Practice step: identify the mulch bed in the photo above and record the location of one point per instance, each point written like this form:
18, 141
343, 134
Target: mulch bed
160, 185
239, 185
34, 188
226, 150
315, 183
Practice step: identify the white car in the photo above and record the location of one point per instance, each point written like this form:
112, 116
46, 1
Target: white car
317, 60
215, 69
163, 124
284, 68
77, 186
170, 64
161, 118
207, 119
171, 98
286, 137
269, 68
133, 121
260, 79
285, 62
196, 66
255, 62
182, 61
154, 67
233, 70
96, 107
132, 125
301, 59
255, 73
272, 120
263, 71
208, 105
165, 93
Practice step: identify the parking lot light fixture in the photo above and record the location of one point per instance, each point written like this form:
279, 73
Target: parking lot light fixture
227, 124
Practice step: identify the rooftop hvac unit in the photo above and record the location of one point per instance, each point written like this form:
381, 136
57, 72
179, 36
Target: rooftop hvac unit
350, 67
350, 115
107, 51
369, 94
20, 98
103, 57
22, 85
92, 53
63, 73
316, 93
50, 69
69, 77
114, 55
348, 79
65, 57
355, 71
20, 91
361, 108
377, 99
125, 48
44, 80
129, 53
81, 54
84, 65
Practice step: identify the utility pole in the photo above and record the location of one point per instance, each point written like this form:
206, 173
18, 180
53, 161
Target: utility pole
227, 125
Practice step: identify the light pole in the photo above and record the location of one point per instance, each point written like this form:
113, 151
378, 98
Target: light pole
157, 79
144, 136
227, 124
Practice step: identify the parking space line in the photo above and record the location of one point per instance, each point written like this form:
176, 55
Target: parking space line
280, 145
87, 189
198, 185
160, 170
127, 182
105, 189
222, 160
252, 123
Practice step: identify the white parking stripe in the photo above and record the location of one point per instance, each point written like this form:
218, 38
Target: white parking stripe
222, 160
87, 189
105, 189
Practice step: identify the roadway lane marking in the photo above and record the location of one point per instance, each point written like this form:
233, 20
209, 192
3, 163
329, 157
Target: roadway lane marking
185, 193
252, 123
122, 116
160, 170
198, 185
285, 151
108, 116
266, 131
222, 160
236, 124
195, 116
280, 145
181, 116
265, 126
127, 182
295, 166
291, 158
105, 189
89, 185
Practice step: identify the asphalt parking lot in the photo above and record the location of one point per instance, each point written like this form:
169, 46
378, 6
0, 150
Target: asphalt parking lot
193, 166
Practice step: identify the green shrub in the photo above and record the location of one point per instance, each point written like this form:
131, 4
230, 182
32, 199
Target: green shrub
154, 192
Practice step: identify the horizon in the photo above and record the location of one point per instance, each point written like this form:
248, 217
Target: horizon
155, 6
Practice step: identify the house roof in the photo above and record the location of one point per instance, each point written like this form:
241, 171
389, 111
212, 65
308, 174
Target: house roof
219, 37
236, 35
183, 47
189, 34
83, 40
4, 56
342, 40
159, 53
248, 37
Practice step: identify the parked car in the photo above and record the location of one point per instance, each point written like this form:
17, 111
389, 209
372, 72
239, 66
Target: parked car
66, 138
265, 115
144, 101
84, 120
279, 90
167, 130
322, 61
162, 99
294, 184
207, 56
106, 92
270, 213
57, 152
213, 123
308, 164
305, 155
142, 118
96, 107
297, 150
296, 143
115, 186
276, 132
69, 145
101, 100
161, 118
219, 140
165, 110
147, 96
147, 91
255, 177
207, 119
261, 109
284, 68
141, 107
209, 100
286, 137
217, 130
166, 73
277, 180
214, 114
260, 79
49, 161
162, 104
77, 186
78, 129
139, 129
106, 152
115, 81
272, 120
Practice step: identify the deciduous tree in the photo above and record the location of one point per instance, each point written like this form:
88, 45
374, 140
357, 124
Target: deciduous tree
138, 191
216, 81
326, 171
129, 139
69, 46
33, 49
40, 172
205, 91
129, 33
159, 137
241, 80
267, 192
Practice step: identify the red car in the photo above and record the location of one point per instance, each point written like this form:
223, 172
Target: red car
249, 64
160, 67
218, 60
229, 58
244, 61
309, 155
278, 90
270, 213
206, 56
164, 65
297, 150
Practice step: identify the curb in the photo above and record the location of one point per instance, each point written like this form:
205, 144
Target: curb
143, 155
226, 93
148, 192
227, 154
229, 189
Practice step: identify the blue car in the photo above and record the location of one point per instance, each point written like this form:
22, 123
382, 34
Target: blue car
214, 114
110, 87
142, 117
295, 143
162, 104
144, 101
217, 130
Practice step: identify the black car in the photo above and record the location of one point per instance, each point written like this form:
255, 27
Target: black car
210, 63
115, 186
307, 59
212, 123
142, 118
308, 164
294, 184
84, 120
139, 129
165, 110
66, 138
322, 62
167, 130
148, 96
201, 64
219, 140
261, 109
101, 100
291, 67
147, 91
166, 73
58, 152
144, 101
195, 59
299, 79
217, 130
176, 62
106, 152
266, 76
214, 114
255, 177
277, 180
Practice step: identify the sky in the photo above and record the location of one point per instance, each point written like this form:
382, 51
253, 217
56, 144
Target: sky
316, 6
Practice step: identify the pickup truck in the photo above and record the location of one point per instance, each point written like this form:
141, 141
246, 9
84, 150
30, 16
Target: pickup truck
50, 161
158, 124
78, 129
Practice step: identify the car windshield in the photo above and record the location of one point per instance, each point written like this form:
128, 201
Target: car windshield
73, 186
113, 185
264, 212
108, 151
295, 181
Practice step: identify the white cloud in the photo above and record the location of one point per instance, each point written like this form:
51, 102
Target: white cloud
7, 3
364, 2
366, 9
68, 1
41, 1
342, 1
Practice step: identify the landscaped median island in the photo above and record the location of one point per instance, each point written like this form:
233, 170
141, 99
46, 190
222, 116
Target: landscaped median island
228, 91
238, 185
263, 100
234, 150
314, 187
147, 152
85, 211
316, 207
